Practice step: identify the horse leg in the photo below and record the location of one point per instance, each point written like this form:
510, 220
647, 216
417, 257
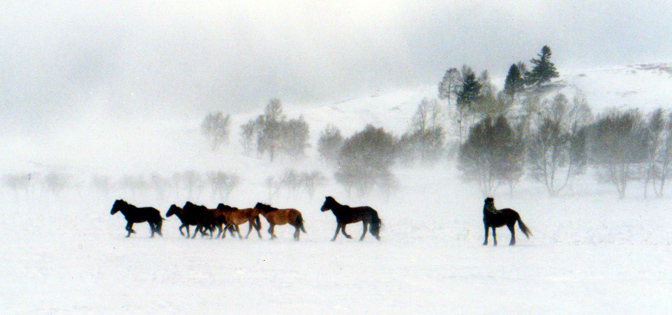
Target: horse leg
366, 228
157, 227
238, 230
296, 233
258, 228
152, 228
343, 231
129, 228
494, 236
487, 229
338, 227
513, 234
187, 230
198, 229
271, 231
250, 230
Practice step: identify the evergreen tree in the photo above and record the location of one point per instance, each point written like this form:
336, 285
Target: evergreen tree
514, 81
543, 70
470, 90
467, 94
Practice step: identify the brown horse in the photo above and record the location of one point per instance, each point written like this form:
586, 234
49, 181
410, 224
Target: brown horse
276, 216
346, 215
234, 217
493, 218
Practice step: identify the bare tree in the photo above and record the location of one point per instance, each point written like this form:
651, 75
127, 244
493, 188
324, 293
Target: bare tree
556, 151
619, 145
215, 127
425, 139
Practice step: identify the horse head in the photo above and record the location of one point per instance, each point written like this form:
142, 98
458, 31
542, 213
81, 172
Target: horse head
490, 205
329, 203
118, 205
263, 208
173, 210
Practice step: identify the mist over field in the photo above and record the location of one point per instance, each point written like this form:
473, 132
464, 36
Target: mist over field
110, 100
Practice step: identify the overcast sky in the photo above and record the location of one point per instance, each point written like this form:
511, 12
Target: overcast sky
138, 57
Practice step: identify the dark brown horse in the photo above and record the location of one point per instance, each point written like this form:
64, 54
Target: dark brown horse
134, 214
276, 216
234, 217
187, 218
493, 218
346, 215
205, 218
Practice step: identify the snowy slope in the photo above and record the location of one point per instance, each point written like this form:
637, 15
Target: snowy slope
591, 253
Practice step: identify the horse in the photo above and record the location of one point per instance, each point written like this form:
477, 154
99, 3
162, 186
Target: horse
235, 216
134, 214
276, 216
187, 218
346, 215
205, 218
493, 218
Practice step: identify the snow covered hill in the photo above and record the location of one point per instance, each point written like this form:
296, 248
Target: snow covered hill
63, 252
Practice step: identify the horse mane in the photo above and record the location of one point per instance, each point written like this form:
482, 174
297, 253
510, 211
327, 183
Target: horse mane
222, 206
331, 201
266, 207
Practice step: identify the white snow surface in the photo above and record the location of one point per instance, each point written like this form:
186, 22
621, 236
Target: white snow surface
63, 252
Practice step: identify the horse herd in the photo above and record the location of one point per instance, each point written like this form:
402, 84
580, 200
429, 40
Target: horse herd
229, 218
226, 218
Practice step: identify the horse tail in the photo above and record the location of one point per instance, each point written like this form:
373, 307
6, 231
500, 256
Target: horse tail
299, 223
524, 228
376, 224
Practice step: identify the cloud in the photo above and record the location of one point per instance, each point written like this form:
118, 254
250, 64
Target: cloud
168, 58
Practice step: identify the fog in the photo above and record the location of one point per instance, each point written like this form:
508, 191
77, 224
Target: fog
63, 60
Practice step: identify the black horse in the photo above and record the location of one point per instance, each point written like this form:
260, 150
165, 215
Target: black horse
493, 218
187, 218
205, 218
134, 214
345, 215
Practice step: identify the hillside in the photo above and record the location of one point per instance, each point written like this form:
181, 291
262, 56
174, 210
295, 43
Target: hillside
63, 252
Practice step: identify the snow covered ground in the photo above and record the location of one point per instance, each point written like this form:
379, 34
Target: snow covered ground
590, 253
63, 252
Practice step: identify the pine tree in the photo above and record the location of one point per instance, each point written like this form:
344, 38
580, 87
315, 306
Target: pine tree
543, 70
514, 81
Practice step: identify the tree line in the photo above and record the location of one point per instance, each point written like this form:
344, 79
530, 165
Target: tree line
495, 136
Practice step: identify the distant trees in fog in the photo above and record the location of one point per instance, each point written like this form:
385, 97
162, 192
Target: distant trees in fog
215, 127
271, 133
330, 143
296, 181
365, 160
492, 154
425, 141
556, 150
